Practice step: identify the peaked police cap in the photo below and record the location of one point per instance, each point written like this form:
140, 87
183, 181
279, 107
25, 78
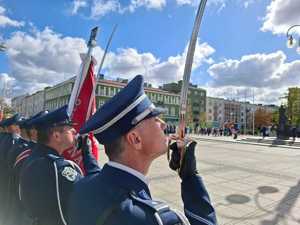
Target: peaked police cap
121, 113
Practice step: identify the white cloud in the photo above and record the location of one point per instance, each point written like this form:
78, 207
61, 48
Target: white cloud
221, 4
269, 74
6, 83
42, 58
6, 21
149, 4
78, 4
246, 94
256, 70
100, 8
128, 62
280, 15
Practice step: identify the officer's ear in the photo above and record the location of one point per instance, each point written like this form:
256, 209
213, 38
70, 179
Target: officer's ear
56, 134
134, 139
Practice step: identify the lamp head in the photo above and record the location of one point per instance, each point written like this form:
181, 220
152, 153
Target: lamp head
290, 42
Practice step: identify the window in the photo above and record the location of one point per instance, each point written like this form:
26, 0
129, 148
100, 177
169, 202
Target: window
167, 110
173, 111
106, 91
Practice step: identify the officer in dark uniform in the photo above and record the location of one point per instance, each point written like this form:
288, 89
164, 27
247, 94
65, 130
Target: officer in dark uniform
46, 178
11, 135
133, 135
1, 131
14, 215
16, 157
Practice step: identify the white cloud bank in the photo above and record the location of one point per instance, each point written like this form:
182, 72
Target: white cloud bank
100, 8
269, 75
5, 21
44, 58
280, 15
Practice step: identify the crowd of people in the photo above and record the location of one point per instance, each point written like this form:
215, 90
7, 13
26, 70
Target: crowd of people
41, 187
226, 131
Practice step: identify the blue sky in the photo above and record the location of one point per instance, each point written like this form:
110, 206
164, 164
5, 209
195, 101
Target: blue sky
241, 46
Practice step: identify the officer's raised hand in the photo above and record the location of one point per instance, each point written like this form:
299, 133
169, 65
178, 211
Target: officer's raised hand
183, 158
84, 143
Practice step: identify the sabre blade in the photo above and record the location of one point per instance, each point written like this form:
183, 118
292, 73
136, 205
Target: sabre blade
106, 49
188, 68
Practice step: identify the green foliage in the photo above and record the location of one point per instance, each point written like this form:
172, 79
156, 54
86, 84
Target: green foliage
294, 106
7, 110
275, 117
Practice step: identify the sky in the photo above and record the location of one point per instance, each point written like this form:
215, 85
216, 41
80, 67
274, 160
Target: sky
241, 49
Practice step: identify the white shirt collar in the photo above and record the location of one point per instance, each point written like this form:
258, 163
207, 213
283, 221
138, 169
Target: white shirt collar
129, 170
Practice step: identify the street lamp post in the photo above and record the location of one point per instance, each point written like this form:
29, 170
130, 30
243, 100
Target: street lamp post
291, 40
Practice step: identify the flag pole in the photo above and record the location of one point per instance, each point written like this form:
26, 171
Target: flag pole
83, 70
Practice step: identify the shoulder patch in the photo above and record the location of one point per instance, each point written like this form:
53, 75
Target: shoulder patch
69, 173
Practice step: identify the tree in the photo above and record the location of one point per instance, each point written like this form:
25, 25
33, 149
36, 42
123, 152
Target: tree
7, 109
263, 118
275, 117
294, 106
189, 114
202, 119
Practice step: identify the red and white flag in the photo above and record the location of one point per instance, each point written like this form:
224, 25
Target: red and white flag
82, 104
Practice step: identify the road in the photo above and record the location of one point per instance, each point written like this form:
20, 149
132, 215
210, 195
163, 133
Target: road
248, 184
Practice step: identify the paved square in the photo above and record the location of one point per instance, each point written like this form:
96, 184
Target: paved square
248, 184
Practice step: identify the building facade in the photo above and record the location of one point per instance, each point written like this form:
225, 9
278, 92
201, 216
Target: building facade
196, 111
215, 112
54, 97
202, 111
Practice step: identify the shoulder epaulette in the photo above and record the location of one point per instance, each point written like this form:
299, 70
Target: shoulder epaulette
156, 206
53, 157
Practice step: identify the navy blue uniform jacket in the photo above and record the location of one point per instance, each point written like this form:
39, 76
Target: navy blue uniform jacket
15, 159
46, 181
116, 197
7, 141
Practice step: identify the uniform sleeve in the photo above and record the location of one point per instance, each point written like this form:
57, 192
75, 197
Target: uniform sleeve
45, 188
90, 163
197, 206
37, 190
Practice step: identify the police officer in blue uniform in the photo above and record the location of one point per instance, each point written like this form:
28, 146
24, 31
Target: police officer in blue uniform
1, 131
133, 135
46, 178
16, 157
11, 135
14, 215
